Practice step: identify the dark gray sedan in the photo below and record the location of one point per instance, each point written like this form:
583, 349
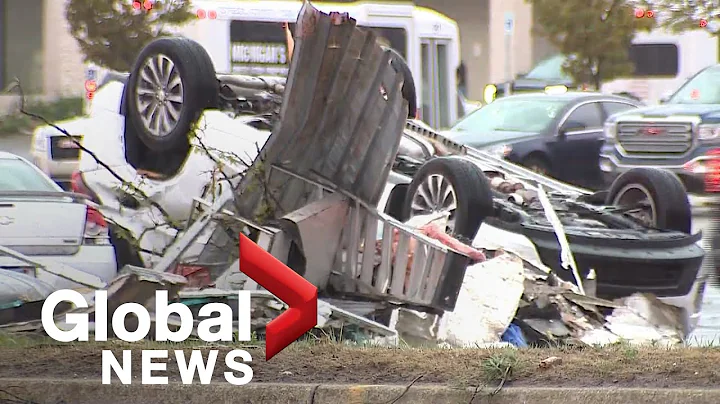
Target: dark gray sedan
555, 134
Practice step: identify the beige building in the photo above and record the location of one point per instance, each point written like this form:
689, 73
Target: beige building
482, 38
36, 46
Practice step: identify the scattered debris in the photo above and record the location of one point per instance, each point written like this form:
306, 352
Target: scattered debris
550, 362
487, 302
438, 289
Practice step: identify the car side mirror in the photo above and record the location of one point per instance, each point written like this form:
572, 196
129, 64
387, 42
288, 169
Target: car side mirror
665, 98
570, 126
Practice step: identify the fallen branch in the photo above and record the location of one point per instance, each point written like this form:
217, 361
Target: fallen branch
14, 399
502, 381
407, 388
134, 189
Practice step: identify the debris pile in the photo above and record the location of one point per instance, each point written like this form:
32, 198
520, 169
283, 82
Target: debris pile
506, 293
504, 299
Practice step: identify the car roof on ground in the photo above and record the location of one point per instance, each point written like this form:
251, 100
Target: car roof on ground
568, 96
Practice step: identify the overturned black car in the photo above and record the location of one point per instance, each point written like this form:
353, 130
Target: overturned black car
636, 235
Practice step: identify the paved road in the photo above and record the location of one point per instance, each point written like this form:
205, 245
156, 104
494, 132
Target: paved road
19, 145
709, 328
708, 331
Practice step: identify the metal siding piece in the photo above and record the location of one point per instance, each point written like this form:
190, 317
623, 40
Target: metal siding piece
333, 124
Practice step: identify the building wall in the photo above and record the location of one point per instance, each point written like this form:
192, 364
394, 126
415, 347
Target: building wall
472, 18
39, 50
542, 48
23, 46
482, 37
63, 70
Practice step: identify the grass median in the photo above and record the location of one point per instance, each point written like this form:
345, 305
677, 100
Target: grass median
325, 360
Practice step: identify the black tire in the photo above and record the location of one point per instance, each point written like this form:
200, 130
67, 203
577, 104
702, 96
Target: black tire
537, 164
472, 189
194, 69
125, 252
669, 196
408, 89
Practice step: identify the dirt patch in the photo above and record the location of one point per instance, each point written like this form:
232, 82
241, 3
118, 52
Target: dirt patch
326, 362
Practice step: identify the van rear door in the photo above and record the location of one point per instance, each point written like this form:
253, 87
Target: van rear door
436, 88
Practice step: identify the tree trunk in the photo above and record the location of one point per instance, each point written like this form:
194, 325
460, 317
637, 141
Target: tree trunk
596, 80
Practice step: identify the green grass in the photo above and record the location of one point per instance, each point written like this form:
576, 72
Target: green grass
63, 108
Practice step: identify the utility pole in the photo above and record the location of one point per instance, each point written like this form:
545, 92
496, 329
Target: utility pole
509, 26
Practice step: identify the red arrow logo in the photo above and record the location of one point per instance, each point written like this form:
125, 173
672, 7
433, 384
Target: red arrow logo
299, 294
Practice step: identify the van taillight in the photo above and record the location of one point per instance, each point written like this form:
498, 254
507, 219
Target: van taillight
210, 14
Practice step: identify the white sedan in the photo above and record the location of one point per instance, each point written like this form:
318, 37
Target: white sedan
39, 220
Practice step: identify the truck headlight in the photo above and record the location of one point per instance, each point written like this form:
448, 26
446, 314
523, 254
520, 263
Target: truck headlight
610, 130
708, 132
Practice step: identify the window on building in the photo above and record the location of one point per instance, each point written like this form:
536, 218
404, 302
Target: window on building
653, 60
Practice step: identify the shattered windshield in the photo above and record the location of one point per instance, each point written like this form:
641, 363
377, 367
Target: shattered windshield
512, 115
704, 88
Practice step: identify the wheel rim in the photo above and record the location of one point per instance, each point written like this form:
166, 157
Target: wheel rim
435, 194
159, 95
634, 194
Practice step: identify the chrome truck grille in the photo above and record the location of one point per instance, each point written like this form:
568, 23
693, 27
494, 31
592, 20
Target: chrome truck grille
655, 139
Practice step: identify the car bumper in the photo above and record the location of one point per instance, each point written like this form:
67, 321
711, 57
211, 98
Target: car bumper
689, 168
97, 260
59, 170
682, 261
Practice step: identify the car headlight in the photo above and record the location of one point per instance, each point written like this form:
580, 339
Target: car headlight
489, 93
499, 151
708, 132
610, 130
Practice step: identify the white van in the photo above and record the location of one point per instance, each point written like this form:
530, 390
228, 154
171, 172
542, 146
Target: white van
664, 61
246, 36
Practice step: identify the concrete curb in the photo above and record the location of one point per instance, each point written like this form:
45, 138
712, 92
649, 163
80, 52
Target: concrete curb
44, 391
